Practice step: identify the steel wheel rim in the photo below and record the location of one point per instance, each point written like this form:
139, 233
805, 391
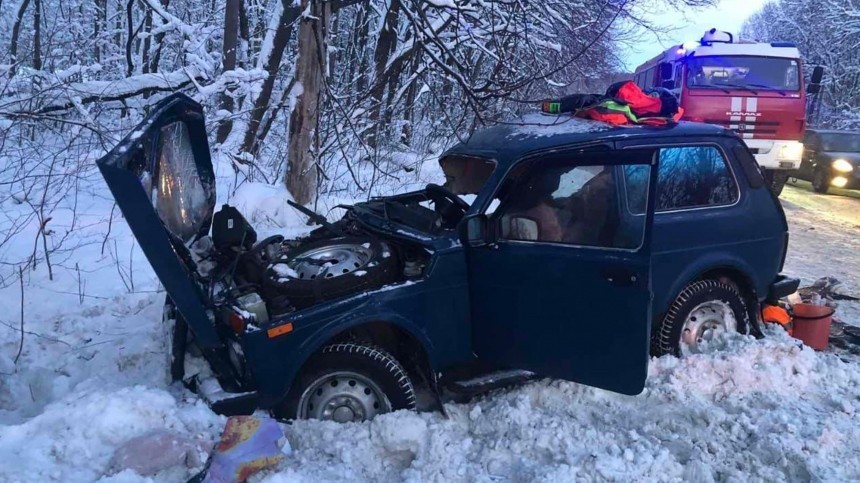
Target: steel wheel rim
343, 397
706, 322
331, 261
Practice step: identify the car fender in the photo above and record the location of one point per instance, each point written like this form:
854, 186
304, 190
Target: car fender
294, 361
703, 265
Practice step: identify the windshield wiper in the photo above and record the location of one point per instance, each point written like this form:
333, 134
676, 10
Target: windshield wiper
770, 88
741, 86
711, 86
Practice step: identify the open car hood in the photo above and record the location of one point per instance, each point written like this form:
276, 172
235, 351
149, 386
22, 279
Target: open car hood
162, 180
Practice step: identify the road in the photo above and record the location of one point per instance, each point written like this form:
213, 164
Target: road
824, 239
838, 205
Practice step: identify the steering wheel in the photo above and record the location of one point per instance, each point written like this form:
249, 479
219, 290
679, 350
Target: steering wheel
450, 207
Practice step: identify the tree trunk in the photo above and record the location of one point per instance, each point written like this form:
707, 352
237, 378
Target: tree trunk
129, 18
385, 45
301, 177
16, 33
244, 34
409, 106
231, 36
159, 38
147, 41
253, 136
362, 36
37, 34
99, 24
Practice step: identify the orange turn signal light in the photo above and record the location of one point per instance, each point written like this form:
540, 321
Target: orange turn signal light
280, 330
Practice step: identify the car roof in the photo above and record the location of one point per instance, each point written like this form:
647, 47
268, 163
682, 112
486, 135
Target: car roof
509, 141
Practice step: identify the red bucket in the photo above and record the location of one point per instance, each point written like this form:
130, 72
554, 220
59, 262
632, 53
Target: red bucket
812, 324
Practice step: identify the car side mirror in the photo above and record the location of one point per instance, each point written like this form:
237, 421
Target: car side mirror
666, 71
814, 86
474, 231
522, 228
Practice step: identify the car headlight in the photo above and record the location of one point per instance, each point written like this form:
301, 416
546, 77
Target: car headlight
843, 166
792, 150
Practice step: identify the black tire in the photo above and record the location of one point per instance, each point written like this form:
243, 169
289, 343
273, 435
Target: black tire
380, 269
820, 181
666, 339
776, 180
367, 360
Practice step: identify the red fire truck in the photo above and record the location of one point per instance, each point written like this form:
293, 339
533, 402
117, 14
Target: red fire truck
752, 88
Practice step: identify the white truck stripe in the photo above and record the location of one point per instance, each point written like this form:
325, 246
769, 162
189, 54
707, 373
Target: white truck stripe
737, 104
752, 104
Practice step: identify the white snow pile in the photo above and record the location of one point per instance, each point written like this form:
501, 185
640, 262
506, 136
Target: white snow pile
763, 410
768, 410
264, 204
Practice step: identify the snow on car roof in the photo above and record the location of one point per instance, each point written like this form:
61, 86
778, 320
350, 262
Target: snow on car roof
542, 125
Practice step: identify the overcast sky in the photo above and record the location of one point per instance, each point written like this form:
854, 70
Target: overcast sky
727, 15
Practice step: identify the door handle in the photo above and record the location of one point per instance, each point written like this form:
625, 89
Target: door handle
620, 276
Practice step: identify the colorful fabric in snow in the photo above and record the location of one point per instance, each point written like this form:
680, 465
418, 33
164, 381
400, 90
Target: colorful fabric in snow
248, 445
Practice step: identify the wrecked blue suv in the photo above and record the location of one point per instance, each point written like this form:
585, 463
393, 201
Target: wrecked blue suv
585, 249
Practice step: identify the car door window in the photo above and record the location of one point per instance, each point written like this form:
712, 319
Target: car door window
566, 202
689, 177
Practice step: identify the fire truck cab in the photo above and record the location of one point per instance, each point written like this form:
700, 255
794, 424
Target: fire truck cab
752, 88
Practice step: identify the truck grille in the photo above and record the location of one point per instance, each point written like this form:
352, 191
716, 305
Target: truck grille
747, 127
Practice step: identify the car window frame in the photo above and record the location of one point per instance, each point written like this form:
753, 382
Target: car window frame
576, 150
660, 146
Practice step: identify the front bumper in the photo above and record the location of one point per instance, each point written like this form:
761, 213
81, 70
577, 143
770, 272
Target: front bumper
848, 181
783, 286
776, 154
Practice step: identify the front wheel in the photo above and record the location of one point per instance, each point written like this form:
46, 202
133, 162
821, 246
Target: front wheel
820, 181
702, 312
348, 382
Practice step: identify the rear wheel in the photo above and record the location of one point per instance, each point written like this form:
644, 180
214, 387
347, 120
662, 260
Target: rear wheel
820, 181
776, 180
348, 382
701, 313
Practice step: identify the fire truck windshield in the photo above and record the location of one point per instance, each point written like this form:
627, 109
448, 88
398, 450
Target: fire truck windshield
744, 72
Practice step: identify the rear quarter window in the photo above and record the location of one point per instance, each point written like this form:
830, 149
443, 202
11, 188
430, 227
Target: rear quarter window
689, 177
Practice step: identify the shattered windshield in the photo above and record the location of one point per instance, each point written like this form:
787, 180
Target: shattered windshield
846, 143
736, 71
180, 199
466, 175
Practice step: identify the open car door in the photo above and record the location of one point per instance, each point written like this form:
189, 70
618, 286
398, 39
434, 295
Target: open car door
559, 273
162, 179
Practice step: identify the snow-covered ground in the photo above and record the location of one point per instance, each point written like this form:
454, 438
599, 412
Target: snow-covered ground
93, 374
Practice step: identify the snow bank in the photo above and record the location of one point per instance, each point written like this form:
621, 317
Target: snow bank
74, 439
768, 410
